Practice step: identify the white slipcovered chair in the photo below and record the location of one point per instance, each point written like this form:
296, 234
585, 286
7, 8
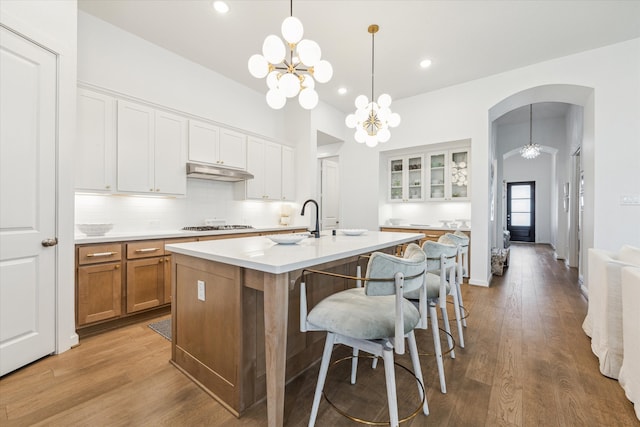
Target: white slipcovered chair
630, 370
603, 322
375, 319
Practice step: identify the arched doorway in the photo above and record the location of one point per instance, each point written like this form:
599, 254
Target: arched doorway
579, 131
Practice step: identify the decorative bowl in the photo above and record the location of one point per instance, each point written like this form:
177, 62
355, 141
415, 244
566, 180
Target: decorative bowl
288, 239
395, 221
95, 229
353, 231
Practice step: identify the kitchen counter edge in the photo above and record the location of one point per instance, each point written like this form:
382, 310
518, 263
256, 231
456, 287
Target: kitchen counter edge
170, 234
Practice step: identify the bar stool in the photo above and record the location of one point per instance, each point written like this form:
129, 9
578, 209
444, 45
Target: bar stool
462, 241
440, 265
454, 285
375, 319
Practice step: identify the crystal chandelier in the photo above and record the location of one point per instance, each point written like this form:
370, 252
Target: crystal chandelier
531, 150
372, 120
292, 75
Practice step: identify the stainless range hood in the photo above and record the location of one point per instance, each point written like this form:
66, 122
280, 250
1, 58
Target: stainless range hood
216, 173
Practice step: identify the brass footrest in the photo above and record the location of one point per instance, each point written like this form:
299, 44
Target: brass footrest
444, 353
368, 422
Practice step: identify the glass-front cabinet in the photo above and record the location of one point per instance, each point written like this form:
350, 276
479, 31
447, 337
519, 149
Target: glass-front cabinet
406, 179
448, 175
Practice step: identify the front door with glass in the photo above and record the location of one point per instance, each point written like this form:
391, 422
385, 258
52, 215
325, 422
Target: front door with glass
521, 208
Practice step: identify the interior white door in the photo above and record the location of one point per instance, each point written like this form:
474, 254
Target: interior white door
330, 194
28, 79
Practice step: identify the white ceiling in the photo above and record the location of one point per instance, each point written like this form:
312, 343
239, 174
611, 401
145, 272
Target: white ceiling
466, 40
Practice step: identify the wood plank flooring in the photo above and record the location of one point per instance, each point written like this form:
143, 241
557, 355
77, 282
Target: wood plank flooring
527, 362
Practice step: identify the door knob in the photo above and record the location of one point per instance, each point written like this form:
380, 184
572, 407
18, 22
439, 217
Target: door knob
50, 242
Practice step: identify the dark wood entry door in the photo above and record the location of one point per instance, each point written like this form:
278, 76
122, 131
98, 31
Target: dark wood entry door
521, 208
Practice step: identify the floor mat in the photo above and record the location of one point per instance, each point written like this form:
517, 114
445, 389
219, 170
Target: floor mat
163, 327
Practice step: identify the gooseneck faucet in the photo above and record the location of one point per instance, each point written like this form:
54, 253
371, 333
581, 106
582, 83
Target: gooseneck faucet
315, 232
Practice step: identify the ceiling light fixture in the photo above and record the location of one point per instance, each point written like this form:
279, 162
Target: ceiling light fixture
425, 63
372, 120
531, 150
288, 77
220, 6
342, 90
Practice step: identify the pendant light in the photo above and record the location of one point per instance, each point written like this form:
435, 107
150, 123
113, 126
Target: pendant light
292, 75
531, 150
372, 120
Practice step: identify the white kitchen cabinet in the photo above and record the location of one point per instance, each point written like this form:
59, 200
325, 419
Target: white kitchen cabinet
151, 150
95, 142
449, 175
288, 174
406, 179
215, 145
264, 161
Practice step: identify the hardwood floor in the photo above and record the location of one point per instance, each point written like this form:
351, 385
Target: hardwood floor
527, 362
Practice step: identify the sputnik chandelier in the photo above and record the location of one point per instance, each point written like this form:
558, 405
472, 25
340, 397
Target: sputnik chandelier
292, 75
531, 150
372, 120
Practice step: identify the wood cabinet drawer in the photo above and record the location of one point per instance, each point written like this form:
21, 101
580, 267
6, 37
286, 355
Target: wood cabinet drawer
95, 254
145, 249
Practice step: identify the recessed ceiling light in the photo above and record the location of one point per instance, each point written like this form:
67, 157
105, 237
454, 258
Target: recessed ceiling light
220, 6
425, 63
342, 90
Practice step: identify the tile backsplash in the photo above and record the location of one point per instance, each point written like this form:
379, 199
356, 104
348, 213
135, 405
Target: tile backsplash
204, 200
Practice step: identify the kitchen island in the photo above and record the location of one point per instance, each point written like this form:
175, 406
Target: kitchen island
231, 329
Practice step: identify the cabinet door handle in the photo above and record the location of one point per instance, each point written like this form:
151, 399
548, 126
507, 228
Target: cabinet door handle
98, 254
144, 250
117, 266
432, 235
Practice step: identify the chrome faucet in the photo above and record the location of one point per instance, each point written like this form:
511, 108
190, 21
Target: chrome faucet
315, 232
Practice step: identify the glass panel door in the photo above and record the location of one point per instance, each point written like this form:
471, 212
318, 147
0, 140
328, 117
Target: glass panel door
521, 209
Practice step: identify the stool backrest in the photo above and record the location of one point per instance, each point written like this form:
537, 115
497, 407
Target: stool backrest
457, 239
435, 251
385, 266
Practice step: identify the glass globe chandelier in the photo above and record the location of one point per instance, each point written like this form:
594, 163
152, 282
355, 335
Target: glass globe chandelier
372, 120
531, 150
292, 75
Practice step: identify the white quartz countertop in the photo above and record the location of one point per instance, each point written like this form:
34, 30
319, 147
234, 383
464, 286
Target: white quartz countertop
167, 234
426, 227
260, 253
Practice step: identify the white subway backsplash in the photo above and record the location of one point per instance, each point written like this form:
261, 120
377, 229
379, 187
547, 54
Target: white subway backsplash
204, 200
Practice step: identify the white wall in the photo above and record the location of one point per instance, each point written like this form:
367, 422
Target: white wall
53, 24
462, 112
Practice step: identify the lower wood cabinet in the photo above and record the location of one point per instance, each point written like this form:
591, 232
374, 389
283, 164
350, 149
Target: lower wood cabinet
146, 283
117, 280
98, 283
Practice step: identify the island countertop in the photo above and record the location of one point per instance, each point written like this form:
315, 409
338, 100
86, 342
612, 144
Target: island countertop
261, 254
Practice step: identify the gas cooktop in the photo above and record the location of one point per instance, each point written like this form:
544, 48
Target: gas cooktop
217, 227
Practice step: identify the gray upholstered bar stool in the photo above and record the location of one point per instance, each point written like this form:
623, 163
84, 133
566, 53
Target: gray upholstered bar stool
375, 319
441, 262
462, 241
454, 286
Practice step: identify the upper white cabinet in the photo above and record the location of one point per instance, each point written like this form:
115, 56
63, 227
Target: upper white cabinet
214, 145
272, 166
95, 142
151, 150
406, 179
449, 175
